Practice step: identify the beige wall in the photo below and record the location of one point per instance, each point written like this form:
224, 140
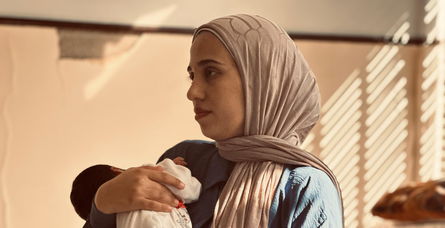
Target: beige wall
345, 17
359, 150
61, 115
70, 99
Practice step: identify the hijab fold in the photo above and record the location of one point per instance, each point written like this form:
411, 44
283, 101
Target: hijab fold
282, 106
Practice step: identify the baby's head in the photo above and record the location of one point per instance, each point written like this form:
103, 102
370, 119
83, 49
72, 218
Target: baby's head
86, 184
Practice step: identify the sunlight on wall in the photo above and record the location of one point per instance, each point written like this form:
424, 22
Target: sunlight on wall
95, 85
153, 19
381, 124
386, 127
431, 83
339, 143
156, 18
365, 132
433, 68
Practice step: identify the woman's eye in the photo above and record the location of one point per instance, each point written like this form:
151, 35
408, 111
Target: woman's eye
210, 73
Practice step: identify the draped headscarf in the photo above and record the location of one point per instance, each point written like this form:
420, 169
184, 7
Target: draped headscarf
282, 106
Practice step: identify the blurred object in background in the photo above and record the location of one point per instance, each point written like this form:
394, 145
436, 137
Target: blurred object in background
420, 201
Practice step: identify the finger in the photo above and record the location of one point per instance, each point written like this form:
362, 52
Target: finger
152, 205
153, 190
155, 168
164, 196
157, 187
166, 178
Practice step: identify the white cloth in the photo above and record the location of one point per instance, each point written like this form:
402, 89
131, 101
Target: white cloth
178, 217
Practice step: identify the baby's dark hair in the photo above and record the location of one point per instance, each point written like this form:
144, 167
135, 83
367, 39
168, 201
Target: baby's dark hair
85, 186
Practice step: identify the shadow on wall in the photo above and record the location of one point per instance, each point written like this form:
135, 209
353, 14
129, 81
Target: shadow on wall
116, 109
383, 126
87, 44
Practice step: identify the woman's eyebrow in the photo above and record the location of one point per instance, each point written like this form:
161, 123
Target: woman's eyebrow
204, 62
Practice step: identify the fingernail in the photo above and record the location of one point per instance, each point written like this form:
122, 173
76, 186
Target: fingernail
167, 208
176, 202
182, 185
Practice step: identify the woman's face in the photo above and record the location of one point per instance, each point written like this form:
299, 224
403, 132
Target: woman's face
216, 90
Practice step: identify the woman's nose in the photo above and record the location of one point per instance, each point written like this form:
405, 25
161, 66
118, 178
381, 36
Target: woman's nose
196, 91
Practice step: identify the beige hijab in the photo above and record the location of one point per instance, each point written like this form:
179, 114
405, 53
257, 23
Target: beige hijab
282, 106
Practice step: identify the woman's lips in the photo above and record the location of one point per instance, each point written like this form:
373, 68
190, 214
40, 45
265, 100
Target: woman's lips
200, 113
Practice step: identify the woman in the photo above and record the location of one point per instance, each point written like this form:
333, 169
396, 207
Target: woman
254, 94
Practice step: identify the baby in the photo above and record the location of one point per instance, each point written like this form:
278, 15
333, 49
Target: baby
88, 181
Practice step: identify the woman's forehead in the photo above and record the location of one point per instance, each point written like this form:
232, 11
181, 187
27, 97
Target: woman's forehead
206, 40
207, 46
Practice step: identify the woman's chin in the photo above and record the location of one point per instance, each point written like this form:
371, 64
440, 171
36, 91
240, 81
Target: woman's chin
220, 134
216, 137
210, 134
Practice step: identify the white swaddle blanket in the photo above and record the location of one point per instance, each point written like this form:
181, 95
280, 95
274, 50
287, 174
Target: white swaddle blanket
178, 217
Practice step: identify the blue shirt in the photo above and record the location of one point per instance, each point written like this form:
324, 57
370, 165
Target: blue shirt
305, 196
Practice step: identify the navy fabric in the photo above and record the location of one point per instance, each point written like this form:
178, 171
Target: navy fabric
305, 196
98, 219
210, 169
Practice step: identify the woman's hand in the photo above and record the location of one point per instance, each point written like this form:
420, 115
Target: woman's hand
138, 188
